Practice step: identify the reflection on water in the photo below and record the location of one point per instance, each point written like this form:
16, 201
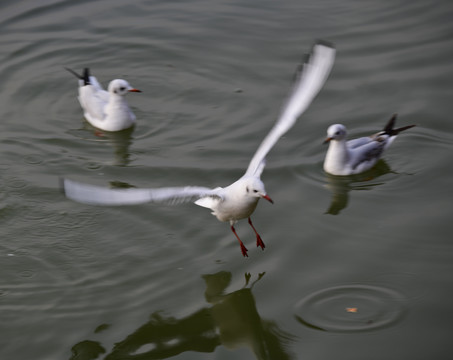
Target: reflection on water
63, 264
118, 140
231, 320
86, 350
340, 186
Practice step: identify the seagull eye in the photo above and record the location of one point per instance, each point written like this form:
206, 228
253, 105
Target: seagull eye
122, 88
255, 191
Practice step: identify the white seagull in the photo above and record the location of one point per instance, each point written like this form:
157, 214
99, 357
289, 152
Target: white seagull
105, 110
357, 155
238, 200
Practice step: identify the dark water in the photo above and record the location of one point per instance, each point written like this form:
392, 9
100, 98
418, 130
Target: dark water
354, 268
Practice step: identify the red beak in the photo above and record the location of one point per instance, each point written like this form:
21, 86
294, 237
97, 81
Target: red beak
268, 198
327, 140
134, 90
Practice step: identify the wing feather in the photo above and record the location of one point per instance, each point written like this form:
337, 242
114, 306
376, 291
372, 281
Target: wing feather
355, 143
309, 82
98, 195
366, 153
93, 101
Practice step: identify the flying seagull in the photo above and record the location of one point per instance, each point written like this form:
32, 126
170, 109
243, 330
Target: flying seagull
238, 200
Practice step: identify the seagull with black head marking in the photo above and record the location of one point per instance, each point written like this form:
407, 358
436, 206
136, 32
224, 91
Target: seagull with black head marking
105, 110
358, 155
238, 200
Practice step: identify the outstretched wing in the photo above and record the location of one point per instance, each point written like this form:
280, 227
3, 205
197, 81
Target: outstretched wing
98, 195
309, 80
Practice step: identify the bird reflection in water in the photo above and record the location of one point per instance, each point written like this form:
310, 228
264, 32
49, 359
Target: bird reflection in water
231, 320
118, 140
340, 186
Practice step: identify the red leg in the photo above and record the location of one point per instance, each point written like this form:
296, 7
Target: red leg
259, 242
243, 248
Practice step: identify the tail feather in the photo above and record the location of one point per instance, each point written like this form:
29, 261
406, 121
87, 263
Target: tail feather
85, 77
388, 129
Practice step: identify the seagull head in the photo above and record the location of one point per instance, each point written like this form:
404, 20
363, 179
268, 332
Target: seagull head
335, 132
254, 187
120, 87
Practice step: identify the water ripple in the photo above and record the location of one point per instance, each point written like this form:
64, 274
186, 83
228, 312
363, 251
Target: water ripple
34, 159
351, 308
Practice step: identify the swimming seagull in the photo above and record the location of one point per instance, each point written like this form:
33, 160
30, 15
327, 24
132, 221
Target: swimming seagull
238, 200
357, 155
105, 110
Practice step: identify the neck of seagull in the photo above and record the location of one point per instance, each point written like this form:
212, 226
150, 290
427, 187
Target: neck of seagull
117, 101
337, 154
116, 97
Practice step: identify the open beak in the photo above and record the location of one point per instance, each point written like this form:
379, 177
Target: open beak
327, 140
134, 90
267, 198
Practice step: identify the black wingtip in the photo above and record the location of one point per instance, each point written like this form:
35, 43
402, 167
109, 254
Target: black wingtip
403, 128
86, 76
74, 73
325, 43
389, 127
307, 56
321, 42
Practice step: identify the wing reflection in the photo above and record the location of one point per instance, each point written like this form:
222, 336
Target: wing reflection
231, 320
340, 186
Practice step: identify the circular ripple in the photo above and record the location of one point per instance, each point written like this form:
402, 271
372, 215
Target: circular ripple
350, 308
91, 165
15, 183
407, 283
37, 210
34, 159
27, 273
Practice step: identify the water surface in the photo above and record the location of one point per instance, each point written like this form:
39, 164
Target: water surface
354, 268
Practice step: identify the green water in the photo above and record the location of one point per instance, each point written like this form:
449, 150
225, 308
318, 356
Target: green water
354, 268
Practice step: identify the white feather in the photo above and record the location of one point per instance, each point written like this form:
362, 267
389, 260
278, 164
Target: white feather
238, 200
307, 85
